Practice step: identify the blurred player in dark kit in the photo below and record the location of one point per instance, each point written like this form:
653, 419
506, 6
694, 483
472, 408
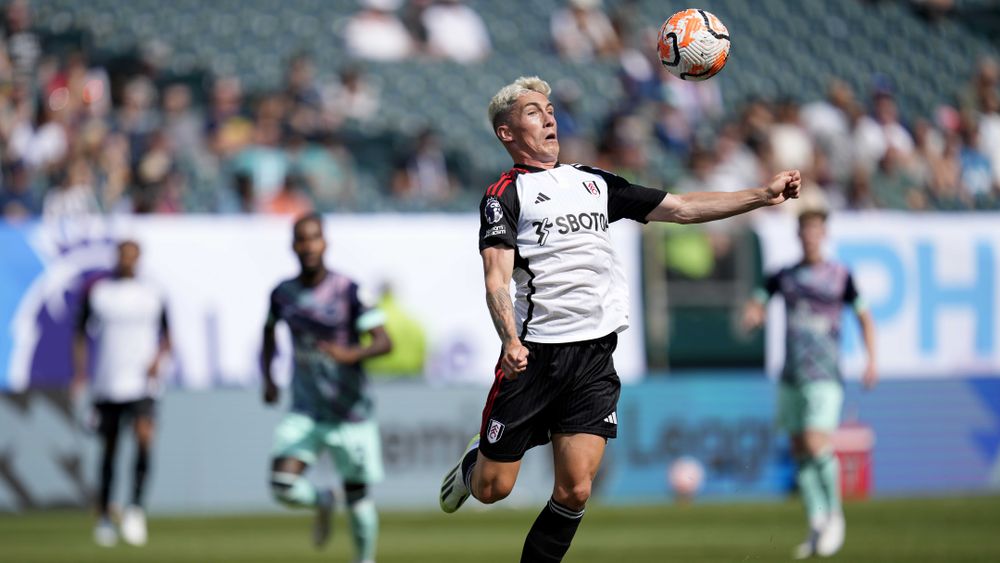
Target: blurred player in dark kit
331, 407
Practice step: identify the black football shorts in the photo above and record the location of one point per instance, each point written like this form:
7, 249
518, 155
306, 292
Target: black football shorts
567, 388
111, 415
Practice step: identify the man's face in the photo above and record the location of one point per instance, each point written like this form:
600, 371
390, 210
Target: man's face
309, 245
128, 259
532, 128
812, 233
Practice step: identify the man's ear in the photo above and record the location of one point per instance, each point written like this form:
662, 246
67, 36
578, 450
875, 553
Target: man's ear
504, 133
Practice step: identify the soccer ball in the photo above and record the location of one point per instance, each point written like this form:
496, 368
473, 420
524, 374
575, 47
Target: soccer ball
693, 45
685, 477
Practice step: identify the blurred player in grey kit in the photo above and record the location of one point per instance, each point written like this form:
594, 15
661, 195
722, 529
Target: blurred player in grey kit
811, 391
332, 408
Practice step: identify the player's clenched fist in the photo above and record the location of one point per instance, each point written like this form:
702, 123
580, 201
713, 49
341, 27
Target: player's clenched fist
784, 186
514, 360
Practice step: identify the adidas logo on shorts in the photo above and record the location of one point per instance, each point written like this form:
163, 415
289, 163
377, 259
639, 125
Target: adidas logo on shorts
612, 418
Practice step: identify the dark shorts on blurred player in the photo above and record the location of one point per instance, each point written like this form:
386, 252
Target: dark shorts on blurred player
110, 415
567, 388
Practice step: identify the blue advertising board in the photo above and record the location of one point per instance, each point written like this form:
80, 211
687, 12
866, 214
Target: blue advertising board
931, 436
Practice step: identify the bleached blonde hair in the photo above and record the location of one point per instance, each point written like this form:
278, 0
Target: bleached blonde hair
504, 100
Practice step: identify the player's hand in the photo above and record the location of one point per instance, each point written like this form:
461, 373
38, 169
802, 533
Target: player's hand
341, 354
870, 377
753, 316
77, 386
783, 187
271, 393
514, 360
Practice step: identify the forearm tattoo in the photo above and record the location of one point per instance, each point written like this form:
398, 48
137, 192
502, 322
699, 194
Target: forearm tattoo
502, 312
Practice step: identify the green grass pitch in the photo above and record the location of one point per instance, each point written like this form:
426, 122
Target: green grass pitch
948, 530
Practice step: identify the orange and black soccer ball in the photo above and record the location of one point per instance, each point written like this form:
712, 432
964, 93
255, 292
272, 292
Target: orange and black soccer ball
693, 45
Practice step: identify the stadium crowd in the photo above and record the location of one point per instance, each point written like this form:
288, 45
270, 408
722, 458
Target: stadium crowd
77, 138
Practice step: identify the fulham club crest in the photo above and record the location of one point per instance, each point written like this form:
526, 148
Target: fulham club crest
494, 432
592, 187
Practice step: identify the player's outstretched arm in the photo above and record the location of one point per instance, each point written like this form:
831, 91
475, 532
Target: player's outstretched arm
498, 267
701, 207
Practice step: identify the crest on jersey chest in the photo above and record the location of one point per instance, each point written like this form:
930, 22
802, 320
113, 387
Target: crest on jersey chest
591, 187
324, 310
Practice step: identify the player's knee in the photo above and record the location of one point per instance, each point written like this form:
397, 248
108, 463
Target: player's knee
494, 490
281, 486
574, 496
144, 430
355, 492
815, 444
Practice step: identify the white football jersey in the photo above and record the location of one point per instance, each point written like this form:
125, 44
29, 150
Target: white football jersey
570, 284
127, 318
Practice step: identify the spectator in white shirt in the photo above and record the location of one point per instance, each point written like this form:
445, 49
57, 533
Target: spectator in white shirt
376, 33
876, 134
582, 31
74, 195
455, 31
829, 123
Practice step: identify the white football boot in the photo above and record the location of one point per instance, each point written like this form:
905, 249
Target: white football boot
453, 490
105, 534
807, 549
134, 526
831, 537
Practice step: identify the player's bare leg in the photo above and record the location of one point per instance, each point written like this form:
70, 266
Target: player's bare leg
476, 475
492, 480
576, 458
133, 524
290, 487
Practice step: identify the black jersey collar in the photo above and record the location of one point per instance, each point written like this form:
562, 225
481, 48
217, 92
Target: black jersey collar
530, 168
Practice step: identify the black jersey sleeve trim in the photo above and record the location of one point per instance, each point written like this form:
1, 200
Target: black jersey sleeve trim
625, 199
851, 294
499, 211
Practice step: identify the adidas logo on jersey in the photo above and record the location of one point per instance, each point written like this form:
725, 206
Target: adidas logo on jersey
542, 198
